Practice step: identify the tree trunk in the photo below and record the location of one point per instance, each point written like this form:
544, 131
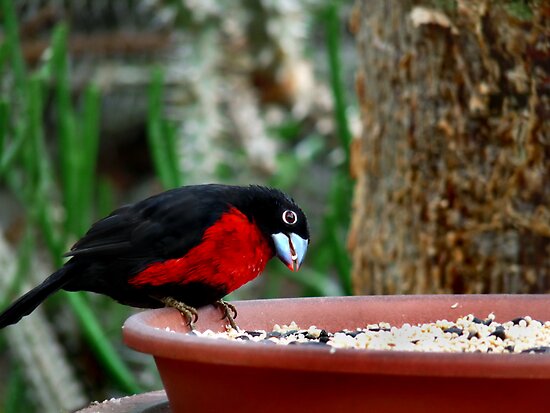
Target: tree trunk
453, 167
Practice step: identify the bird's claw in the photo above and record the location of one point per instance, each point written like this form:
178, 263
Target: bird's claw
189, 313
229, 312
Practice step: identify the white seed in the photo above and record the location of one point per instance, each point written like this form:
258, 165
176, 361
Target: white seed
527, 334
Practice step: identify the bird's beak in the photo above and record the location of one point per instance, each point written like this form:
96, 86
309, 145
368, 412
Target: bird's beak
291, 249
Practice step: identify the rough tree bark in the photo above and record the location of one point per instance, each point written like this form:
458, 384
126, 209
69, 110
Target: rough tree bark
453, 167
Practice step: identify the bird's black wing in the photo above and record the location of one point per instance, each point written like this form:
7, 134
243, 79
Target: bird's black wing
164, 226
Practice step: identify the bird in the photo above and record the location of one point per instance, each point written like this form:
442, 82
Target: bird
185, 248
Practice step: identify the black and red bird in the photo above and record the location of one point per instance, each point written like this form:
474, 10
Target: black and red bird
186, 248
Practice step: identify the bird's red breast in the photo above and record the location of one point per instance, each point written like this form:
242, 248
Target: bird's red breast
232, 252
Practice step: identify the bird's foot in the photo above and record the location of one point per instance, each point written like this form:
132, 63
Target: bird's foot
189, 313
229, 312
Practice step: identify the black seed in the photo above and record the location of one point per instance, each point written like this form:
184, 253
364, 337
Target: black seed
376, 329
289, 333
477, 320
540, 349
472, 335
517, 320
510, 348
275, 334
324, 333
353, 333
324, 339
499, 332
488, 322
253, 333
243, 338
454, 329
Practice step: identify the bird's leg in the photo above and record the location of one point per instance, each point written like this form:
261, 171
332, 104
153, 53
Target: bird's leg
229, 312
189, 313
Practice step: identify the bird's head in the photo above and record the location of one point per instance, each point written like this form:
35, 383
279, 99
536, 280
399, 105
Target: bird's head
282, 222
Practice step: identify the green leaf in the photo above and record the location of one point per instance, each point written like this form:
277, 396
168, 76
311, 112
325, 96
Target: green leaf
162, 137
88, 158
15, 392
332, 28
68, 145
101, 346
12, 43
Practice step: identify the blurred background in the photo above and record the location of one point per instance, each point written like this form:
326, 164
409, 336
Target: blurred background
108, 102
414, 134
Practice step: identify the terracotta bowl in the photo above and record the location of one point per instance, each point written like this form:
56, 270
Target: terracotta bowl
205, 375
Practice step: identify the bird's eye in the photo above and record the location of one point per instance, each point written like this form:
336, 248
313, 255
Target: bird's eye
290, 217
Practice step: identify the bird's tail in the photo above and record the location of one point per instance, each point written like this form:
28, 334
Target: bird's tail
27, 303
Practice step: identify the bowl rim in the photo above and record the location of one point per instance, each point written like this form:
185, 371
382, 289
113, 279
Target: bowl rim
142, 335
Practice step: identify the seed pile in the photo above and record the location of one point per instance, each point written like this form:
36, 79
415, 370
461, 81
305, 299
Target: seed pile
466, 334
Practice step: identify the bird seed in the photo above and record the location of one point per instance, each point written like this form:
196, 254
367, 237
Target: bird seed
466, 334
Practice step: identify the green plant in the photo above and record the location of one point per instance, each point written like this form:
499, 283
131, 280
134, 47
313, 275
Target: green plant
328, 251
30, 173
162, 136
51, 168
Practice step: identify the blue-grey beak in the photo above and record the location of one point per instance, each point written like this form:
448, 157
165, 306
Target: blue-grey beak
291, 249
